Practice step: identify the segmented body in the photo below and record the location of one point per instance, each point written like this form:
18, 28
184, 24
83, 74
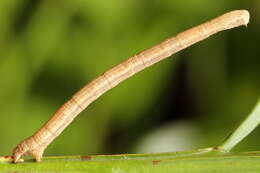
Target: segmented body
36, 144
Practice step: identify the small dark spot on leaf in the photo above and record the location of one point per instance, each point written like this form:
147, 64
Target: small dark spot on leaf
8, 157
155, 162
216, 148
85, 157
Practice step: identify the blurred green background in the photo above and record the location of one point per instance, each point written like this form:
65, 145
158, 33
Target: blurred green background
51, 48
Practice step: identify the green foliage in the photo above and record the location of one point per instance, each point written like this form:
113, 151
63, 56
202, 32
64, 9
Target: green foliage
192, 162
247, 126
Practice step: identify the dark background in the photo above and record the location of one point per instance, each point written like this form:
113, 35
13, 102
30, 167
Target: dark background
49, 49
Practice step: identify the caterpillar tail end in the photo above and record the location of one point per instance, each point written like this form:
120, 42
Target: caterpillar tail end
25, 149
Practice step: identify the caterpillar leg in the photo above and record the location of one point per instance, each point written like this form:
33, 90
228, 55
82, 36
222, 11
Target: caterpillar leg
28, 148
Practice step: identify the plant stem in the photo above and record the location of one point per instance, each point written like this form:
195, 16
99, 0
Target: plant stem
182, 162
246, 127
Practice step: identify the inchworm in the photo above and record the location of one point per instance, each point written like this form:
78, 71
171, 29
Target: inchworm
36, 144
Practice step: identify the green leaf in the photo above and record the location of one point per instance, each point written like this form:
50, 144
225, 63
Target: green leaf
246, 127
209, 159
